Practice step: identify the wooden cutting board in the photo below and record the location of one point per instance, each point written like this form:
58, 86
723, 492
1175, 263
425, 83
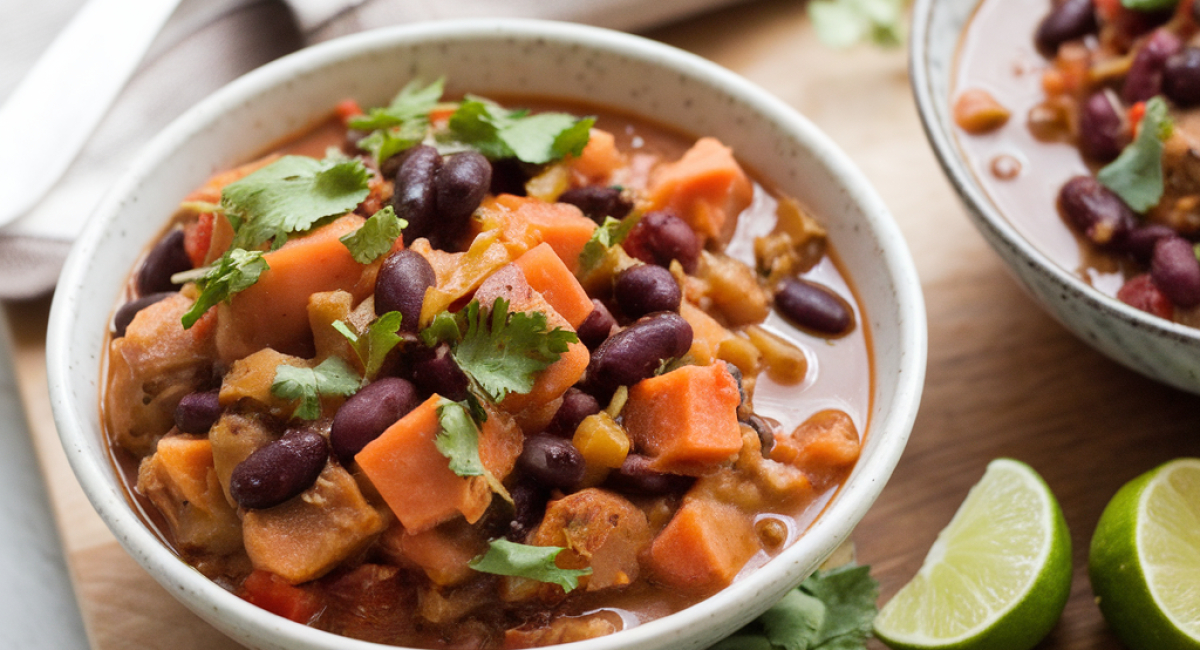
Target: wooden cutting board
1003, 378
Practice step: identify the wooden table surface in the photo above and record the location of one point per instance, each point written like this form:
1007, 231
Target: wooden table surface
1003, 378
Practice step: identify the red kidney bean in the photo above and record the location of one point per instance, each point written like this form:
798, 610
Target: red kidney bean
552, 461
1145, 76
597, 326
508, 177
167, 258
197, 412
635, 352
813, 307
1096, 212
576, 406
438, 373
1176, 271
1141, 240
1066, 21
1103, 132
400, 286
660, 237
415, 197
634, 476
461, 184
645, 289
1141, 293
126, 312
1181, 77
368, 413
279, 470
529, 507
598, 202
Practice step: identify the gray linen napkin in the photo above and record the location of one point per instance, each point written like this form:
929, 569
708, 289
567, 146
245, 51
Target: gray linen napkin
204, 45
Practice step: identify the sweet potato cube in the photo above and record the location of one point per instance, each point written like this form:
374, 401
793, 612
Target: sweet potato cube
598, 160
415, 479
441, 552
180, 481
598, 529
824, 447
549, 276
525, 222
706, 187
686, 419
703, 547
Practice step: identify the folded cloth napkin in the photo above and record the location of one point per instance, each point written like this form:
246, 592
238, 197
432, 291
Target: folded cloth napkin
204, 45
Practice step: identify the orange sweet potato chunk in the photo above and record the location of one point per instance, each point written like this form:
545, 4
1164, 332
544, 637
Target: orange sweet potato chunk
549, 276
415, 479
441, 552
825, 447
686, 419
525, 222
274, 311
706, 187
598, 160
703, 547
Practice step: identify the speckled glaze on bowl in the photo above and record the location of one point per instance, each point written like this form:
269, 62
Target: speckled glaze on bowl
1162, 350
510, 57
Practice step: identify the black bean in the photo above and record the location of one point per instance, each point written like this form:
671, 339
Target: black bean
126, 312
1181, 76
766, 433
634, 476
552, 461
279, 470
813, 307
736, 373
1176, 272
645, 289
636, 352
598, 202
1102, 129
461, 184
438, 373
576, 406
400, 286
167, 258
1067, 21
197, 412
660, 237
1145, 76
415, 197
368, 413
1141, 240
529, 507
1095, 211
597, 326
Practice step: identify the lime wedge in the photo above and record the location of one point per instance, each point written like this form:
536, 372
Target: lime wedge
998, 576
1145, 559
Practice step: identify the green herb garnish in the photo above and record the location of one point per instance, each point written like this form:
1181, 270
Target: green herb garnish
402, 124
372, 348
459, 439
498, 132
235, 271
842, 23
1149, 5
610, 233
375, 237
333, 377
507, 558
1137, 174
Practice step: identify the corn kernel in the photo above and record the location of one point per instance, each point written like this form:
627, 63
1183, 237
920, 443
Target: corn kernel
602, 441
786, 363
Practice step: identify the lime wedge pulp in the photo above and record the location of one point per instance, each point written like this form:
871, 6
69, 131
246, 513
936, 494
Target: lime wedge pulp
998, 576
1145, 559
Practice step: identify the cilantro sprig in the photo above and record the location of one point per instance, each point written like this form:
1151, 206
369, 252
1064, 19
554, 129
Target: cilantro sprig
831, 610
402, 124
373, 346
458, 440
610, 233
235, 271
1137, 174
507, 558
842, 23
332, 377
375, 237
536, 138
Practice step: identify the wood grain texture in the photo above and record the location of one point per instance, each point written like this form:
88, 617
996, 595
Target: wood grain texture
1003, 378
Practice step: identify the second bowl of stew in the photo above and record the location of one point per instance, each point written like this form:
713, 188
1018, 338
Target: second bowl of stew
486, 335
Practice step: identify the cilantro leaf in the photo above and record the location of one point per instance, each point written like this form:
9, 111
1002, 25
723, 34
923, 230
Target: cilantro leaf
503, 354
1149, 5
375, 237
235, 271
402, 124
291, 195
332, 377
795, 622
507, 558
459, 439
1137, 174
498, 133
842, 23
372, 349
610, 233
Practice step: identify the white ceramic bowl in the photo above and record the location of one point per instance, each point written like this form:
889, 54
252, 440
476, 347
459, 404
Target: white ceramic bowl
1162, 350
525, 58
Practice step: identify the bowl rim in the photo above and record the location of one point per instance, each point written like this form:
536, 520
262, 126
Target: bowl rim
850, 503
984, 212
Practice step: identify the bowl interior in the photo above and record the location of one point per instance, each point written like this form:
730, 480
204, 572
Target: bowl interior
508, 57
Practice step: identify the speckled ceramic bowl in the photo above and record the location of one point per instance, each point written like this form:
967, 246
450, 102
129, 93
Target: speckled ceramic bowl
1165, 351
521, 57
